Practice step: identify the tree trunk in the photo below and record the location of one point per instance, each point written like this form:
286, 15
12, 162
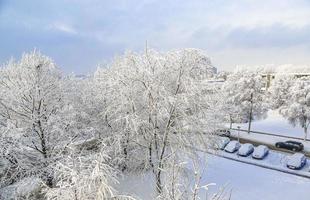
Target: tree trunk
159, 186
250, 115
49, 181
125, 151
231, 122
306, 132
49, 178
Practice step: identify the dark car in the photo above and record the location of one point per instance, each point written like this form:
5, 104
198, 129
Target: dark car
290, 145
224, 132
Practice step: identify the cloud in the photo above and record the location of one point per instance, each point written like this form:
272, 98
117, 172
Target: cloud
231, 31
274, 36
59, 26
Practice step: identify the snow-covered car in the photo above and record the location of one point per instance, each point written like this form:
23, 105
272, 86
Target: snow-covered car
296, 161
260, 152
222, 142
246, 149
232, 146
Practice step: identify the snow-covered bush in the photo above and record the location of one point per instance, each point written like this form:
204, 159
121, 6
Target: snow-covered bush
84, 175
24, 189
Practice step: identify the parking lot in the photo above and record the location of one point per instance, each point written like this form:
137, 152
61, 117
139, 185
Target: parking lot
275, 160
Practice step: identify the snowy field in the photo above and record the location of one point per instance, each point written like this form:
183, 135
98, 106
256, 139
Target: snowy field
246, 182
276, 124
255, 183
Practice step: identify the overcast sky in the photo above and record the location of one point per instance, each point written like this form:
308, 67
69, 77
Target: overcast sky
79, 34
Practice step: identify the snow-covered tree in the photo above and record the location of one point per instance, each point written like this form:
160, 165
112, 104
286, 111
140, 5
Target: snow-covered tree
34, 116
86, 175
292, 97
278, 93
244, 97
157, 101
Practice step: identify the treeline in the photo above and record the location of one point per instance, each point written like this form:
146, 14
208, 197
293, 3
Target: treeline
65, 137
71, 138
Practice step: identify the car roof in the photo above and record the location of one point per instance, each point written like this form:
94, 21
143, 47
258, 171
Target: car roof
293, 142
261, 146
247, 144
224, 139
298, 155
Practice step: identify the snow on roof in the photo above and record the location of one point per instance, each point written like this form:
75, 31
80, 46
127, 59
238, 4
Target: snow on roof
245, 148
259, 150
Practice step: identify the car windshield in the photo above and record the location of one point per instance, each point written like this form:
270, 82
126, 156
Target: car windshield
232, 144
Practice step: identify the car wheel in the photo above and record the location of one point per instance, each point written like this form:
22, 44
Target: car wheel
278, 146
294, 149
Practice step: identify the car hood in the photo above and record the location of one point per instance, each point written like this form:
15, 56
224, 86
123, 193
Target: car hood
294, 162
259, 151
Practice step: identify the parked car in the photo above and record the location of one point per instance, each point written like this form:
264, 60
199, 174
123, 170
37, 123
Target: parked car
246, 149
222, 142
232, 146
223, 132
290, 145
260, 152
296, 161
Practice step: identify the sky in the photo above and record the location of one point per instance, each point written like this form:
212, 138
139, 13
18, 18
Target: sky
80, 34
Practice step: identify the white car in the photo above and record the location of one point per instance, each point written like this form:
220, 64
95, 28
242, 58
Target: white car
260, 152
246, 149
232, 146
222, 142
296, 161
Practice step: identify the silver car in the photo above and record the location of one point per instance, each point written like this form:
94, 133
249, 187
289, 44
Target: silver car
260, 152
222, 142
246, 149
232, 146
296, 161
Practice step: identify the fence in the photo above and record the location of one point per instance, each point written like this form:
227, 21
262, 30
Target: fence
271, 134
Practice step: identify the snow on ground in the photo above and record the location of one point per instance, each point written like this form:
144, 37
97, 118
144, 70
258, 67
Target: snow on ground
140, 186
247, 182
274, 123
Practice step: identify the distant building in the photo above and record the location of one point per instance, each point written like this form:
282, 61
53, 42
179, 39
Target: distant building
269, 77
